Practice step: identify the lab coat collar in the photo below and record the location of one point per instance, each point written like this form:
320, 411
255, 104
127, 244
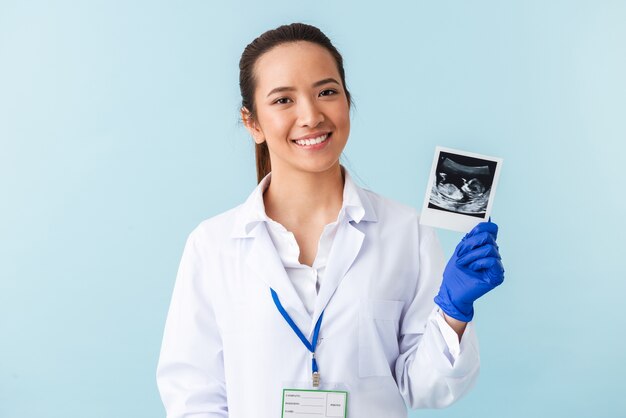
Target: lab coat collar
263, 261
356, 206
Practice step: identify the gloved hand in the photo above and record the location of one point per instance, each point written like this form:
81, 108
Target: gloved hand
473, 270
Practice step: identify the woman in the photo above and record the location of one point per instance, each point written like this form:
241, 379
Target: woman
315, 283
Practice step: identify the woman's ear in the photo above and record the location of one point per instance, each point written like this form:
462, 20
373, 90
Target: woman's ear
252, 126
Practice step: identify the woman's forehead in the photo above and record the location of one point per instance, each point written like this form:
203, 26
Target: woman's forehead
294, 62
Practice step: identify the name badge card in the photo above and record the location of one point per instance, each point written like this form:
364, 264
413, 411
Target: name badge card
301, 403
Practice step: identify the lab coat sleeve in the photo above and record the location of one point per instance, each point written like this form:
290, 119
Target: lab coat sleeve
433, 370
190, 372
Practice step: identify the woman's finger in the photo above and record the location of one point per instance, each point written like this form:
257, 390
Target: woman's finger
492, 267
484, 263
475, 254
475, 241
489, 227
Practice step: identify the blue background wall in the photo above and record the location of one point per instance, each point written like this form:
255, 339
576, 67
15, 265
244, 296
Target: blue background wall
119, 134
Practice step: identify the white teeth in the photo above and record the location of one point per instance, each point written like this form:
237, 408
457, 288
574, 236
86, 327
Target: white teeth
313, 141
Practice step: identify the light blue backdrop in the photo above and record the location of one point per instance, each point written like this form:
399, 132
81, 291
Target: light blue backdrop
119, 134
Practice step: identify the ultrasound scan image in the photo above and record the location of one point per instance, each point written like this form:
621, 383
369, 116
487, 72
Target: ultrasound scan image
462, 184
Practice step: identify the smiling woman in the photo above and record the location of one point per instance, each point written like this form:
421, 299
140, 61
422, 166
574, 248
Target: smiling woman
302, 113
292, 38
311, 257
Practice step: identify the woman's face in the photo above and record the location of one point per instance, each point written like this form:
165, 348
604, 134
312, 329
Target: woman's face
299, 96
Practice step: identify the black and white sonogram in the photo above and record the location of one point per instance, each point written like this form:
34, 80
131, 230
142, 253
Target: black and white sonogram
460, 190
462, 184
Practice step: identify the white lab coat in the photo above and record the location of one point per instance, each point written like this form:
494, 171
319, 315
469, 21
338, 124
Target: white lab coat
227, 351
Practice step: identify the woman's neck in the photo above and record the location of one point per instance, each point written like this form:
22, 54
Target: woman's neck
297, 197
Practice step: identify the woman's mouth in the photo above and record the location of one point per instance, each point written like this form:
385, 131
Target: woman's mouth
313, 143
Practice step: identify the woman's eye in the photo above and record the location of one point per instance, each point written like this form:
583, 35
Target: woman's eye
282, 100
331, 91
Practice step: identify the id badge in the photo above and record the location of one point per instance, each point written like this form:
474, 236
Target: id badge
303, 403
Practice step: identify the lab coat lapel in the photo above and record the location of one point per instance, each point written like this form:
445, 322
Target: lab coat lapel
345, 248
263, 261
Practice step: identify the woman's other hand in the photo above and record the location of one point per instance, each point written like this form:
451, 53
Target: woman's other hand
474, 269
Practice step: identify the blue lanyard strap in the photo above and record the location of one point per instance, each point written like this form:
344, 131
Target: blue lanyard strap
316, 332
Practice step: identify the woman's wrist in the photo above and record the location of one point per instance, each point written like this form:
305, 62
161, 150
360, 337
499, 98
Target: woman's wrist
455, 324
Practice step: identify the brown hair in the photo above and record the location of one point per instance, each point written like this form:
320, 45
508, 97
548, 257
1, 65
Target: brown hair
268, 40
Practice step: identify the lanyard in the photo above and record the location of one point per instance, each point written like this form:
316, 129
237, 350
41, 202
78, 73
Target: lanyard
309, 345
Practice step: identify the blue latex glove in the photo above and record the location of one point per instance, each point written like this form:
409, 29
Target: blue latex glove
473, 270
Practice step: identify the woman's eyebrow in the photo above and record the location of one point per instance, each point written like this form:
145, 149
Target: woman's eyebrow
316, 84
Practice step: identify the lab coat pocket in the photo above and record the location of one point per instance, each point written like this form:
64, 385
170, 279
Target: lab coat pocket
378, 336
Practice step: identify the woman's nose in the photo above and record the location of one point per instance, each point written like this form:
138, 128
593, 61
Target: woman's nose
309, 114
